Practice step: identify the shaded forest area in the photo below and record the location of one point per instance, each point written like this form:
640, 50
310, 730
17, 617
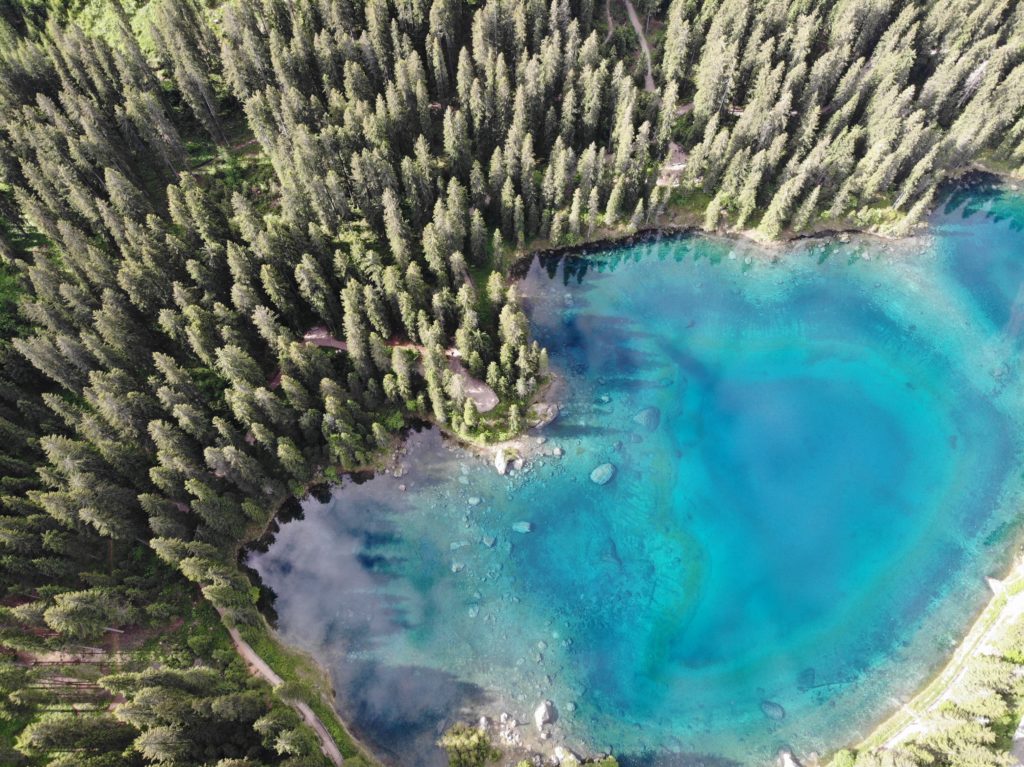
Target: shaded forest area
189, 188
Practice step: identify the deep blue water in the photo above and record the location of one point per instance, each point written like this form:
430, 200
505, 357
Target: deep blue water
818, 458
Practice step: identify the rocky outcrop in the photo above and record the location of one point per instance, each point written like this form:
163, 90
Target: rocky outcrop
508, 733
565, 757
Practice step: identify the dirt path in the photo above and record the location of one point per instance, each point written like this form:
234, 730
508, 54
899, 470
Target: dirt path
483, 396
1006, 607
611, 21
262, 669
634, 19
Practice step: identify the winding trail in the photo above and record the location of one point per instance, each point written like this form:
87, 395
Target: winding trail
634, 19
263, 670
483, 396
1005, 608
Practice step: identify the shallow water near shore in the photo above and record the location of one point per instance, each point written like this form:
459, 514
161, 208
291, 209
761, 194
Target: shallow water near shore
817, 458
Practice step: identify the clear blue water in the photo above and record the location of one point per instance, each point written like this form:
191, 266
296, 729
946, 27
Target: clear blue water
804, 527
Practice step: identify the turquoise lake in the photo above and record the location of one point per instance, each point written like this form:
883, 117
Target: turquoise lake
818, 461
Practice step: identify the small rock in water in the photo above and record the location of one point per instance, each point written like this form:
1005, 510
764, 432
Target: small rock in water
557, 452
649, 418
474, 501
463, 479
523, 527
474, 610
455, 545
541, 440
458, 567
602, 474
488, 541
773, 710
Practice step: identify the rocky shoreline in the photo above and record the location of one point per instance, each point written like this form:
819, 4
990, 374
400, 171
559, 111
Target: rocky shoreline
542, 740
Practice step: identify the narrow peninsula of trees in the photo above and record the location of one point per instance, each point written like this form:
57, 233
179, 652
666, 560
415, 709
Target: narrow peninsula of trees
243, 244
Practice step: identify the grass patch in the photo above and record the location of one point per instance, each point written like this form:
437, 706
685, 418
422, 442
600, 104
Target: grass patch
10, 729
694, 201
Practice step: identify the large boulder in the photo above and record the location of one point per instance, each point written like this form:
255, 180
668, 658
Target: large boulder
501, 460
544, 714
786, 759
602, 474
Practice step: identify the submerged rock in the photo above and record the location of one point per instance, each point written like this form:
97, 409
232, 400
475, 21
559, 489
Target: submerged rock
523, 527
602, 474
805, 680
544, 714
649, 418
773, 710
488, 541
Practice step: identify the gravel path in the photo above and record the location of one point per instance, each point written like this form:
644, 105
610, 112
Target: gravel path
634, 19
262, 669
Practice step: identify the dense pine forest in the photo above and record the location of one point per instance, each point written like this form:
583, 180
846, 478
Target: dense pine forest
245, 244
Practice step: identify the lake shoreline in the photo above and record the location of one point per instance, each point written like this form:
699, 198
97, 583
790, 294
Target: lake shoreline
688, 226
987, 629
527, 445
